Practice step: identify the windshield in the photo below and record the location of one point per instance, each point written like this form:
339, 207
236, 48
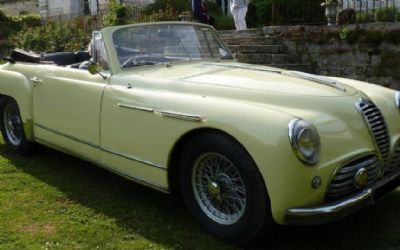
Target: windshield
163, 43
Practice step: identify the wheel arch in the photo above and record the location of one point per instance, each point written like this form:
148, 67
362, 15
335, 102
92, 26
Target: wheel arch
16, 86
175, 154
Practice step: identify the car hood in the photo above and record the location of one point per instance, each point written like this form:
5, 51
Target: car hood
251, 78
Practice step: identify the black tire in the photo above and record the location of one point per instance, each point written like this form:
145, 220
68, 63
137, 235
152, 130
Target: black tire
16, 140
256, 212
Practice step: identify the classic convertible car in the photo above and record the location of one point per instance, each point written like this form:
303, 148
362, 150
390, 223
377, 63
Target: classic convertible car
166, 105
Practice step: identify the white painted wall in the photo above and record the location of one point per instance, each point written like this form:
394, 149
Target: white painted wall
14, 8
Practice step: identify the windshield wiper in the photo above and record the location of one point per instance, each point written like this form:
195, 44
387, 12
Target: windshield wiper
134, 63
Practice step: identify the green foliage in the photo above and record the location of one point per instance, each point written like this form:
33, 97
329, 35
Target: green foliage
169, 14
371, 37
30, 20
386, 14
118, 14
284, 12
259, 13
363, 17
178, 6
54, 37
224, 23
344, 33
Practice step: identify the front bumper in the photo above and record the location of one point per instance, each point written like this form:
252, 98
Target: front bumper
340, 209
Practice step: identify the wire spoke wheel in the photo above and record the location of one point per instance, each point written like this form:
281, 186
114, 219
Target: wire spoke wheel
12, 124
218, 188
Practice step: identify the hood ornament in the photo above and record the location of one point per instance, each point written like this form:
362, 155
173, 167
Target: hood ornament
315, 78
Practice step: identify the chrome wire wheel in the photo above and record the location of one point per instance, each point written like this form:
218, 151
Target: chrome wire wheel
12, 124
218, 188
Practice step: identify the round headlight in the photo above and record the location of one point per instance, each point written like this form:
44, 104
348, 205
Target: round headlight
397, 99
304, 138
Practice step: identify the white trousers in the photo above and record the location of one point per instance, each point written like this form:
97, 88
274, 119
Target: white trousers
239, 16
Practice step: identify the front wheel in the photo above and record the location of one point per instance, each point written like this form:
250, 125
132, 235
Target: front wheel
11, 126
223, 189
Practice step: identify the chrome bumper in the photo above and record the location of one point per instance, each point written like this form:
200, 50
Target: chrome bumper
340, 209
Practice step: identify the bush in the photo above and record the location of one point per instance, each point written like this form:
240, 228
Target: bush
363, 17
169, 14
178, 6
224, 23
118, 14
386, 14
30, 20
54, 37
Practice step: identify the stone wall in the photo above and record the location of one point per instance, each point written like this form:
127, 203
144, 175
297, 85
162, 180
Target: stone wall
369, 52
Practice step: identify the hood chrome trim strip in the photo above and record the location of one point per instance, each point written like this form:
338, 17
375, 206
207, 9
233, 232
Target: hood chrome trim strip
315, 78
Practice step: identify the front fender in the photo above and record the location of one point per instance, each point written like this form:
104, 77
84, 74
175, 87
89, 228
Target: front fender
17, 86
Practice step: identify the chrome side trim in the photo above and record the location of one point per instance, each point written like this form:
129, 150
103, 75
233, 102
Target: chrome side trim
129, 177
67, 136
186, 117
170, 114
130, 157
315, 78
135, 107
134, 158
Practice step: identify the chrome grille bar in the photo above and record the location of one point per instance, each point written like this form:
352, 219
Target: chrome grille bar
377, 126
343, 184
395, 162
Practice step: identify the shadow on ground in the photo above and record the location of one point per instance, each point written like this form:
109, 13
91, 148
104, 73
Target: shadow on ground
163, 218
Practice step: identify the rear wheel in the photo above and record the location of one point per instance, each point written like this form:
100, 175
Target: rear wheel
11, 126
223, 188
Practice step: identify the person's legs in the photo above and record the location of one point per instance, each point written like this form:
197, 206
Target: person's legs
234, 12
241, 16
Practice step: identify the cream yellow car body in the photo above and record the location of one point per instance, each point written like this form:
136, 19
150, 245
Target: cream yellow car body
132, 121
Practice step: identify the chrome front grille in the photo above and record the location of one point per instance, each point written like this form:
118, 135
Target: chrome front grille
343, 184
394, 165
377, 126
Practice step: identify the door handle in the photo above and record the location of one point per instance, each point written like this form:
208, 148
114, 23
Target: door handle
36, 80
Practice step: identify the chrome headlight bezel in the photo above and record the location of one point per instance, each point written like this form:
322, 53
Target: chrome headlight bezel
397, 99
299, 128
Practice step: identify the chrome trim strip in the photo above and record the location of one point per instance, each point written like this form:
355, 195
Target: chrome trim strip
135, 107
186, 117
170, 114
134, 158
252, 67
315, 78
130, 177
67, 136
130, 157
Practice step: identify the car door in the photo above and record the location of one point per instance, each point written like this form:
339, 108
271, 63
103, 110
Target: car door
66, 109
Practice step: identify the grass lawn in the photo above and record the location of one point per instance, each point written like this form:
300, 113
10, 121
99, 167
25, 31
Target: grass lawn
54, 201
